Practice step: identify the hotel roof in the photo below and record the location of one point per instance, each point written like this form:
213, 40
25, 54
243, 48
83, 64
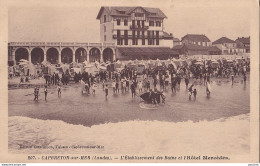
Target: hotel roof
126, 11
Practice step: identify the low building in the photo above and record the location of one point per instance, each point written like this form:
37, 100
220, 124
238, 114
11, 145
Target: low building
226, 45
243, 44
176, 41
194, 49
196, 39
145, 53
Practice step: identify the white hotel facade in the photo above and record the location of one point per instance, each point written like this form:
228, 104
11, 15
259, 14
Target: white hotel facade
136, 32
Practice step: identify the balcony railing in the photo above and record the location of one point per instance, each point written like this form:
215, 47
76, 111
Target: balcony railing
137, 37
138, 27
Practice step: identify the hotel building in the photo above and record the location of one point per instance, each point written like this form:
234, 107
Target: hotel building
138, 32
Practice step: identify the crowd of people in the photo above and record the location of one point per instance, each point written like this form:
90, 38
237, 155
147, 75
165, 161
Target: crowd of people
164, 77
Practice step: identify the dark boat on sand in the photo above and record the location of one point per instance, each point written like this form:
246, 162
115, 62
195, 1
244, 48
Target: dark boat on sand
153, 97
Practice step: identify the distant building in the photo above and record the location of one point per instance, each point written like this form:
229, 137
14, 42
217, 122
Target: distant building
176, 41
194, 49
196, 39
243, 44
134, 30
226, 45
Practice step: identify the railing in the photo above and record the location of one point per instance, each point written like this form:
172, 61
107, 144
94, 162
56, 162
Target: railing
81, 44
37, 43
109, 44
95, 44
52, 43
62, 44
67, 44
138, 27
137, 37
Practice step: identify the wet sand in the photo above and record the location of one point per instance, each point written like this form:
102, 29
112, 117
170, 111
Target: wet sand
74, 108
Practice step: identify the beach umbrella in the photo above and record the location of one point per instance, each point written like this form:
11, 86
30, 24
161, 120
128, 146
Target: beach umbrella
23, 60
86, 62
198, 63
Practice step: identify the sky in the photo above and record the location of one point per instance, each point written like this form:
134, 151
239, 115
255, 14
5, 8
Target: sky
75, 21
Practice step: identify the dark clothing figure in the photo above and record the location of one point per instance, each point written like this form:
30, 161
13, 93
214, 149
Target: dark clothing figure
36, 93
132, 87
187, 82
45, 93
194, 93
59, 91
106, 91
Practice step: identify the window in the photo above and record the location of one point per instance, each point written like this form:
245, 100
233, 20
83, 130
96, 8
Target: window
119, 41
126, 37
104, 28
157, 41
157, 37
143, 38
122, 12
151, 23
133, 23
143, 41
118, 33
125, 22
158, 23
133, 40
105, 37
139, 14
143, 24
138, 34
138, 24
125, 33
133, 33
152, 34
105, 18
118, 22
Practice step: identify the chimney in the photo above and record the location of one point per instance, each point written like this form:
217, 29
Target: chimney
170, 34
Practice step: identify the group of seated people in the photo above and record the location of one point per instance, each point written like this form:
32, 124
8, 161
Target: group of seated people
153, 97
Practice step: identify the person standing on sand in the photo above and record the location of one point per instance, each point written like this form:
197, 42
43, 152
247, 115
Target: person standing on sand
35, 94
114, 86
232, 78
190, 91
59, 90
132, 87
194, 94
187, 82
106, 91
244, 78
117, 87
45, 92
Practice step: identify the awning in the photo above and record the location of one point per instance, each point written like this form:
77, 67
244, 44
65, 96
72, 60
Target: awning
147, 52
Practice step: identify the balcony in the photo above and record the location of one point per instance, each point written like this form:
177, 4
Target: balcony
137, 37
138, 27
